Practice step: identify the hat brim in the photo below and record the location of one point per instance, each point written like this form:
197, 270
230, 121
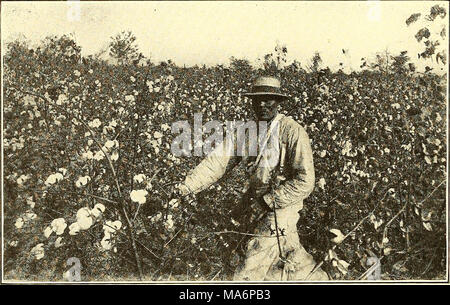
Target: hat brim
278, 95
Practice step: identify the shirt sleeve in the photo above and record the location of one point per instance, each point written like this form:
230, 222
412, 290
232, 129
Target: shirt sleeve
301, 182
211, 169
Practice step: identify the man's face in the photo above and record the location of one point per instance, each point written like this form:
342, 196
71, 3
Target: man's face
265, 107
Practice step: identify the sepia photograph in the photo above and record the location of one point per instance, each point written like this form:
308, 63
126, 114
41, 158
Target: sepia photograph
224, 142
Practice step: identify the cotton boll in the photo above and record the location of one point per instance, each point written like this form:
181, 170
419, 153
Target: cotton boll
106, 242
74, 228
139, 178
321, 183
84, 219
100, 206
58, 242
82, 181
109, 144
139, 196
95, 123
85, 222
58, 226
98, 210
99, 155
50, 180
157, 135
19, 223
38, 251
111, 227
115, 156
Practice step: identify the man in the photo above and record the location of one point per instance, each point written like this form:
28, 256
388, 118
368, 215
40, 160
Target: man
281, 176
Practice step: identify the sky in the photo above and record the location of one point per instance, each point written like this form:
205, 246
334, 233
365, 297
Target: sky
210, 33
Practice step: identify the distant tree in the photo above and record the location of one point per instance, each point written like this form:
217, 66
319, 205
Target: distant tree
102, 53
62, 48
316, 62
433, 42
295, 67
362, 65
124, 49
240, 64
274, 62
399, 63
386, 62
381, 62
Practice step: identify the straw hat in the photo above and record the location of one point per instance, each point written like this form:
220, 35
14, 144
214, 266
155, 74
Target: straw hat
266, 85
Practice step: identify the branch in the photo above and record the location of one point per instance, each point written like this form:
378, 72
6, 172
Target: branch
334, 247
216, 275
404, 207
150, 251
242, 233
429, 195
94, 137
393, 218
151, 179
75, 193
102, 198
370, 270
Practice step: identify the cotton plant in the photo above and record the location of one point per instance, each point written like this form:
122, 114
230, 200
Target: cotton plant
22, 179
110, 228
82, 181
30, 202
168, 222
110, 147
53, 179
85, 218
19, 223
95, 123
24, 219
116, 108
139, 196
38, 251
58, 226
59, 242
110, 144
99, 155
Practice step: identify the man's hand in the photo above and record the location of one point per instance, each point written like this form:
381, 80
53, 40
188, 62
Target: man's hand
180, 190
262, 196
261, 190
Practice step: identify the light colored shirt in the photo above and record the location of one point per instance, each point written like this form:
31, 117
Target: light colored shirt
293, 154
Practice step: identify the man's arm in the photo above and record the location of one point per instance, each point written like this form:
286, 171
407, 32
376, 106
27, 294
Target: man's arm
302, 182
211, 169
